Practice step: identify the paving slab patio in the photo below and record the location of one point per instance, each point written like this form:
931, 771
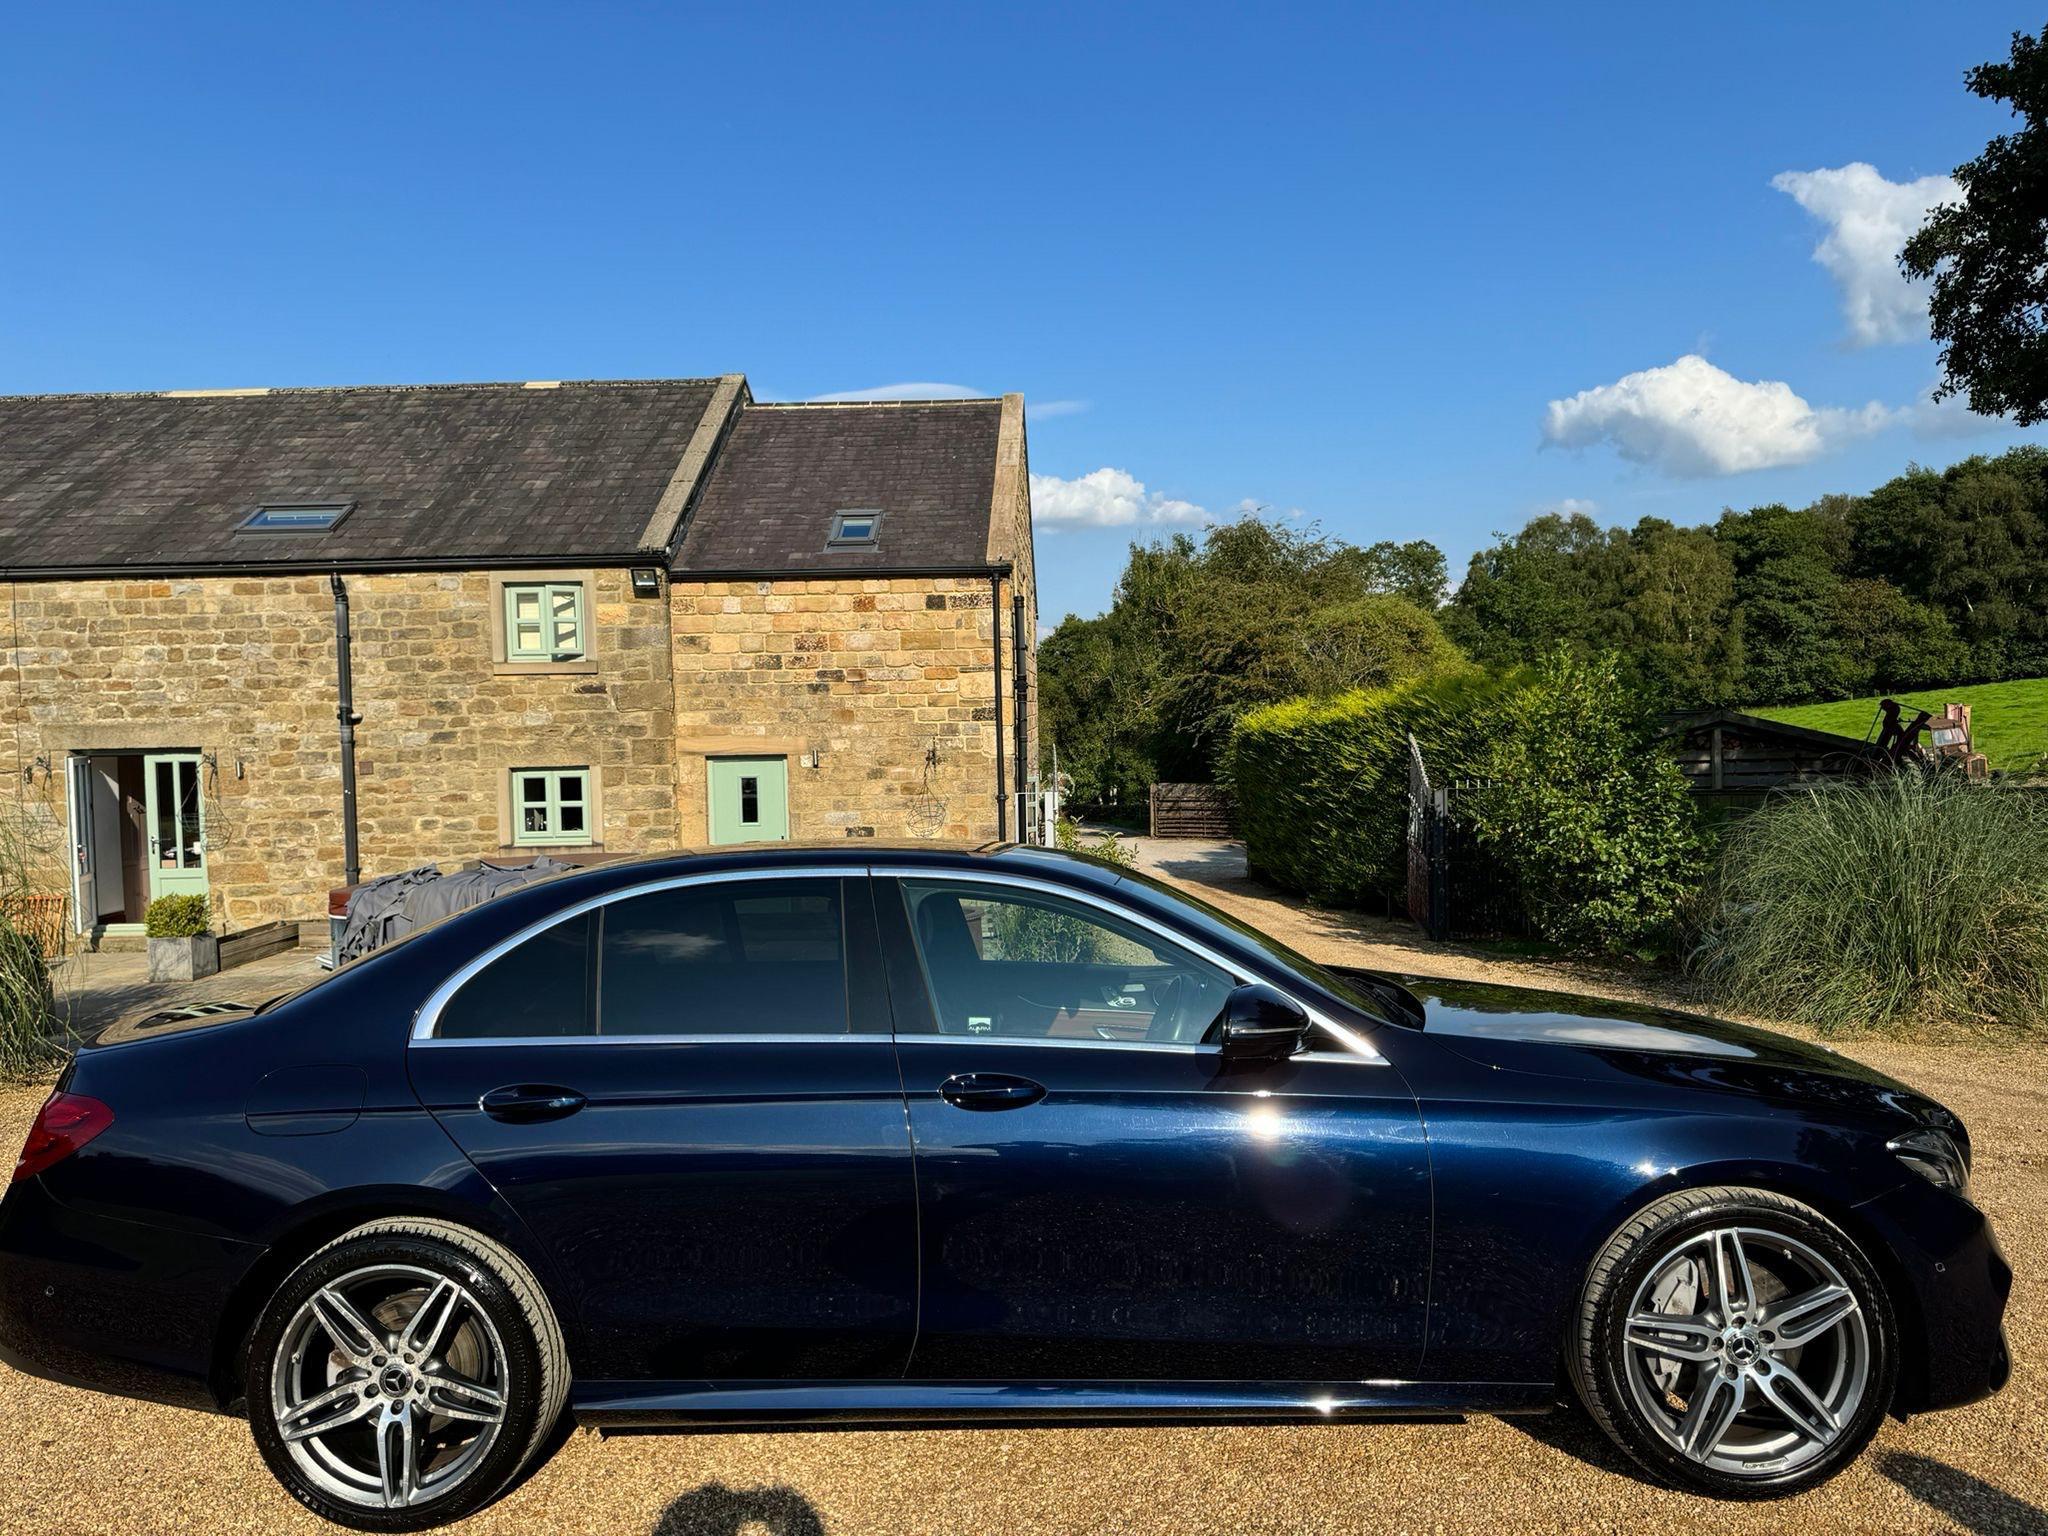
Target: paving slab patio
95, 988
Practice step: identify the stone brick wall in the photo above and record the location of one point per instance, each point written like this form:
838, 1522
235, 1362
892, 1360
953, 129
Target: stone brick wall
242, 669
888, 680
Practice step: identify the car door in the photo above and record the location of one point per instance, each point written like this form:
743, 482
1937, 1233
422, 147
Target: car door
689, 1094
1103, 1197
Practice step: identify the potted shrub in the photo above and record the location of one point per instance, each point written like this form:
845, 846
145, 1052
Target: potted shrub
181, 947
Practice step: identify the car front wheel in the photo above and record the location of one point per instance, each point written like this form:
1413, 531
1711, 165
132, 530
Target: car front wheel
1735, 1342
403, 1375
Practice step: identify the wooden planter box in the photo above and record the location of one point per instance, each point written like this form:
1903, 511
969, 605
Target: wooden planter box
183, 959
254, 943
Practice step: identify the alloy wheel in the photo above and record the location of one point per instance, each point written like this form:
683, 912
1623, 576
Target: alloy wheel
1746, 1351
389, 1386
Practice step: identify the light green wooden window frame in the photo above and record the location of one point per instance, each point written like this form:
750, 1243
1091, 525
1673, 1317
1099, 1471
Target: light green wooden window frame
562, 790
556, 629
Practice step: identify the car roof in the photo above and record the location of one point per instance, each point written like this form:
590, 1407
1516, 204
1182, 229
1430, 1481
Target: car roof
964, 857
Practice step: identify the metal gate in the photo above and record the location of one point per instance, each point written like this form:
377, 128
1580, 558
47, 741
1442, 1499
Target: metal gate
1429, 875
1456, 886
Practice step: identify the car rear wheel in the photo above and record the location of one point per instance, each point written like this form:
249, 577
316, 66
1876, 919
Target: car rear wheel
403, 1375
1735, 1342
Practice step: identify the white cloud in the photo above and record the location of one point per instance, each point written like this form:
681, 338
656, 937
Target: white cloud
913, 391
1869, 220
1571, 506
1692, 419
1950, 418
1107, 498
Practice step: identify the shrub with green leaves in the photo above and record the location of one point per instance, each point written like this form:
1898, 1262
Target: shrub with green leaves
1589, 812
176, 917
1915, 899
1109, 847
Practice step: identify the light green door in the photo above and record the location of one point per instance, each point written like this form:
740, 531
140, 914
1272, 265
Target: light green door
176, 824
749, 799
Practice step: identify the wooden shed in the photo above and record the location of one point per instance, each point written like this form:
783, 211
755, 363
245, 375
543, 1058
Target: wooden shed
1737, 759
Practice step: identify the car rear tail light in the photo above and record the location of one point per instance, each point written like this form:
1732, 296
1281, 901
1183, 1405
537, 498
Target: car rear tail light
66, 1122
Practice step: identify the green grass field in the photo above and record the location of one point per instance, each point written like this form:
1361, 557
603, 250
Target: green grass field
2008, 721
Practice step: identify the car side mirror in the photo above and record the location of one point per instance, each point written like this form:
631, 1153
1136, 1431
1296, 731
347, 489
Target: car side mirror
1262, 1022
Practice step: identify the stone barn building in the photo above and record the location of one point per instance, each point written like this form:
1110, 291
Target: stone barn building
590, 617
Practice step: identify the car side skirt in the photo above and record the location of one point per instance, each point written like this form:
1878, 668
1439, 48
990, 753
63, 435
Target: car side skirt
682, 1405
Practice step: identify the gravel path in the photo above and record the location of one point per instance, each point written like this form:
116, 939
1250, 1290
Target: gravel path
74, 1462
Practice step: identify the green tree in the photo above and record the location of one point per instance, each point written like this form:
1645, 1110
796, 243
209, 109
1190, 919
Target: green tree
1413, 571
1556, 582
1198, 633
1096, 702
1889, 643
1989, 308
1236, 654
1787, 598
1660, 595
1674, 625
1972, 543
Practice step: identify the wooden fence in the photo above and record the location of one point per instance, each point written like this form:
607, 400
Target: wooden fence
1193, 810
40, 917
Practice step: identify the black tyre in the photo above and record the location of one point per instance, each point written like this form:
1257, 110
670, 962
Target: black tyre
403, 1375
1736, 1343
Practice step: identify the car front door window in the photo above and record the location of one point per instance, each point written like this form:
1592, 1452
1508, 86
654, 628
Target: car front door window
1023, 964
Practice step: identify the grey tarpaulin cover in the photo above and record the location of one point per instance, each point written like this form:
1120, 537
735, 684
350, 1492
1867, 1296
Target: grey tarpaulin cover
391, 906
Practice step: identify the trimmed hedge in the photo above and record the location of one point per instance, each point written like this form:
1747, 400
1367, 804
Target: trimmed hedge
1322, 784
1580, 809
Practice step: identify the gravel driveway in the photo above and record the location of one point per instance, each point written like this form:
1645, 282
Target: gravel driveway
74, 1462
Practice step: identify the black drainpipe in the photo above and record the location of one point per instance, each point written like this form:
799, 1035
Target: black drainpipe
1021, 686
995, 622
346, 712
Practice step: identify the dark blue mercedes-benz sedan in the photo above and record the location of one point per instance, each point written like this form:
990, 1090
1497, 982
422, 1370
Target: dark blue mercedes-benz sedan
933, 1135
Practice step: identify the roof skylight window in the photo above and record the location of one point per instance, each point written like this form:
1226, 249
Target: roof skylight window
296, 517
860, 527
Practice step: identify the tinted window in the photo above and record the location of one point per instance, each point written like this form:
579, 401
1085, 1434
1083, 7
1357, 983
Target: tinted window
541, 987
741, 957
1196, 913
1004, 961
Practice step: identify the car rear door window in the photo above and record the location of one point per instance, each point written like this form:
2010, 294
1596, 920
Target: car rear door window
734, 957
539, 987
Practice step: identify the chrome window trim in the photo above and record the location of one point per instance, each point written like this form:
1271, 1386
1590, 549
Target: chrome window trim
1356, 1047
707, 1038
1063, 1042
429, 1016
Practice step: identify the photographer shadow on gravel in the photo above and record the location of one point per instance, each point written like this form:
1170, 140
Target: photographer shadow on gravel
716, 1510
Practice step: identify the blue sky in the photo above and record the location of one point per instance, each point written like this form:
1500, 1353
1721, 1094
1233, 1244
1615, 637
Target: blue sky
1336, 262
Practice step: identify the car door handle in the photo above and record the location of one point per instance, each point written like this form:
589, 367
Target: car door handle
522, 1103
990, 1090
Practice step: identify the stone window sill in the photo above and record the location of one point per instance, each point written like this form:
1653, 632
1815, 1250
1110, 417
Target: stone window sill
543, 668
